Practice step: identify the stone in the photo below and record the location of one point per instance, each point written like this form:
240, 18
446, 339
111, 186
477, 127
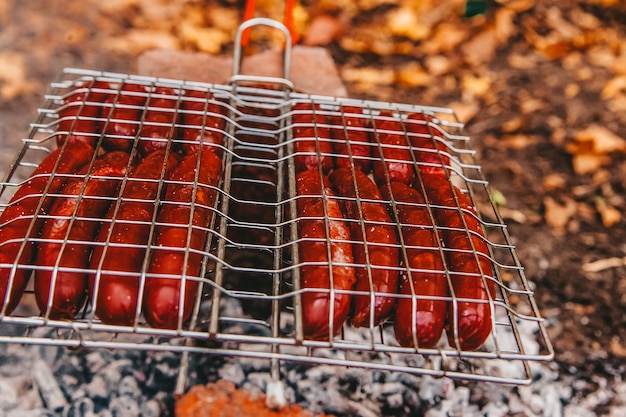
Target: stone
313, 70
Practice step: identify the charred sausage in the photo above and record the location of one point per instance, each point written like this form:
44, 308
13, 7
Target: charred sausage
160, 117
124, 117
352, 144
126, 238
430, 151
468, 260
202, 123
21, 220
68, 234
375, 247
419, 320
181, 236
312, 145
80, 117
323, 313
396, 163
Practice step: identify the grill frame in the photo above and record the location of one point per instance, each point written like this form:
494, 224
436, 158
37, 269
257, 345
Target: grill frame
370, 348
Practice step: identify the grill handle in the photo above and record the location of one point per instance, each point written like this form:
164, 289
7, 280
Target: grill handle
238, 55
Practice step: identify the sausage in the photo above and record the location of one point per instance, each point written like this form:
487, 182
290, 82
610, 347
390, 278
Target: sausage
431, 153
124, 117
382, 252
396, 163
312, 145
80, 116
74, 219
203, 124
126, 239
159, 123
352, 145
21, 220
180, 239
419, 320
319, 313
468, 260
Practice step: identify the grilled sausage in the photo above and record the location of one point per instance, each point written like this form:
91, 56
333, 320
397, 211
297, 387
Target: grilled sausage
352, 145
375, 247
203, 124
126, 239
180, 238
80, 115
323, 318
124, 117
419, 320
430, 151
468, 260
68, 234
159, 123
21, 220
312, 146
396, 163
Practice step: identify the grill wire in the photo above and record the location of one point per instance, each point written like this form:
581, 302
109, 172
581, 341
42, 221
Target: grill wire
249, 302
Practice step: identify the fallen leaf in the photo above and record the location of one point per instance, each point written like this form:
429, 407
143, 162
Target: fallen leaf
368, 76
481, 48
609, 215
13, 78
446, 37
613, 87
553, 182
137, 41
465, 111
412, 75
600, 140
476, 86
404, 21
603, 264
558, 215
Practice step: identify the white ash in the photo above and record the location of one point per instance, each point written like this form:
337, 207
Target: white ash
48, 381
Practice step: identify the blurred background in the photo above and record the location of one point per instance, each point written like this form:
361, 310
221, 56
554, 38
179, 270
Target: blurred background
540, 84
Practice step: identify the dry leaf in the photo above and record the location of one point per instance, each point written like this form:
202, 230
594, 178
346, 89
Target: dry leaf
368, 76
613, 87
465, 111
404, 22
476, 86
610, 215
558, 215
412, 75
481, 48
553, 182
600, 140
446, 37
138, 41
13, 78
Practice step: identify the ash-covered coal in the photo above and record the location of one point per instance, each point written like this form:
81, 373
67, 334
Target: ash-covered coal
54, 381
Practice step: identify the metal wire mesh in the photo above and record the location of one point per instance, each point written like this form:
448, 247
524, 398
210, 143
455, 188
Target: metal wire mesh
248, 300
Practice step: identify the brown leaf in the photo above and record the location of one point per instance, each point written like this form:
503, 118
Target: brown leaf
613, 87
558, 215
13, 78
481, 48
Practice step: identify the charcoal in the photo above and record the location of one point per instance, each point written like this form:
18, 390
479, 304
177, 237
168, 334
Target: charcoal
232, 371
48, 386
129, 387
152, 408
124, 406
83, 407
8, 397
